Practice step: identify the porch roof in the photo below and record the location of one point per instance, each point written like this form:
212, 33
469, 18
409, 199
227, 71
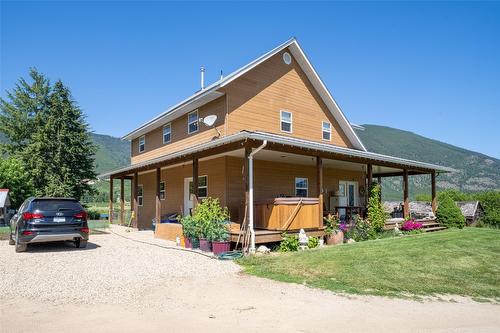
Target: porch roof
276, 141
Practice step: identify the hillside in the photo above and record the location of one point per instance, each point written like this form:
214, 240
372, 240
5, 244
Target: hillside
477, 172
112, 152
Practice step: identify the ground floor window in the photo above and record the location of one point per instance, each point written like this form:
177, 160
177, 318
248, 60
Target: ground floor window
202, 187
162, 190
301, 187
140, 195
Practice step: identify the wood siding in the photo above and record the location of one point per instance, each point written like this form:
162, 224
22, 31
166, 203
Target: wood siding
226, 183
174, 183
180, 139
255, 100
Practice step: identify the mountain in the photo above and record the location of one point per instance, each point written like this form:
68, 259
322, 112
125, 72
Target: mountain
476, 171
112, 152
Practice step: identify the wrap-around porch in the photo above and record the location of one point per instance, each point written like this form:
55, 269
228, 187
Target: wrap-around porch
270, 186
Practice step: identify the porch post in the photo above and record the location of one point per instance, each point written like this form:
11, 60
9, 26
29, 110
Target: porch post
135, 211
110, 216
369, 176
406, 202
433, 191
248, 150
195, 181
319, 186
379, 181
158, 202
122, 200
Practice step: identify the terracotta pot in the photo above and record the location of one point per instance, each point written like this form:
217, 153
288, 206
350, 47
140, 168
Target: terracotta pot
205, 245
187, 243
335, 238
219, 247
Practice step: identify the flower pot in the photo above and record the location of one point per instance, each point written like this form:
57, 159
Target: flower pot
195, 243
187, 243
205, 245
219, 247
335, 238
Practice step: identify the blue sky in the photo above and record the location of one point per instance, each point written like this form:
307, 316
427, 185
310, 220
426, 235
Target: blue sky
432, 68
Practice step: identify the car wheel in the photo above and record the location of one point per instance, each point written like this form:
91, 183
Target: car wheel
20, 247
80, 243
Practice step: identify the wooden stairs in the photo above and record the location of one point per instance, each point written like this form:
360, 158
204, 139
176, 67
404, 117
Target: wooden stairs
427, 225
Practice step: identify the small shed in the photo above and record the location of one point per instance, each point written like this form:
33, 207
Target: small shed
4, 205
472, 210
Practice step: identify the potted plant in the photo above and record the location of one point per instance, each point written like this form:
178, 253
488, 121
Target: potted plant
190, 232
220, 238
334, 230
209, 214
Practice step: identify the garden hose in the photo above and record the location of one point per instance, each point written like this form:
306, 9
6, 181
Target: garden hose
230, 255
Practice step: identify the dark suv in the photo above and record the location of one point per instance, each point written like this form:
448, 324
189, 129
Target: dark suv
47, 220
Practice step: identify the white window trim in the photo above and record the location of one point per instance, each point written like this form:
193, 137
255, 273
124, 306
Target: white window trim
284, 121
302, 188
329, 131
143, 145
140, 203
164, 190
163, 133
196, 121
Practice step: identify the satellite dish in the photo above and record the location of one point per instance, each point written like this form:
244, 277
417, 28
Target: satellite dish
210, 120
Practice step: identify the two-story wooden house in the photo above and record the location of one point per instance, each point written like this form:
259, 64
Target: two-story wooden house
279, 153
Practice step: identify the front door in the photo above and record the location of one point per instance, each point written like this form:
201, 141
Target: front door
188, 190
348, 196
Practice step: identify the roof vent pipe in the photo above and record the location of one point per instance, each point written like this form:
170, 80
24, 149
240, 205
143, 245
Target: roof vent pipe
202, 78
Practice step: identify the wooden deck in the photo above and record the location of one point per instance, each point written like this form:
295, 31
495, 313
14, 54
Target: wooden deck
269, 236
427, 225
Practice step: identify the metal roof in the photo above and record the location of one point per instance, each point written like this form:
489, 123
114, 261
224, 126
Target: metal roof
290, 141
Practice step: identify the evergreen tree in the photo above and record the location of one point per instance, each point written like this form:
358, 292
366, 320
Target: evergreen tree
376, 214
61, 154
448, 213
23, 112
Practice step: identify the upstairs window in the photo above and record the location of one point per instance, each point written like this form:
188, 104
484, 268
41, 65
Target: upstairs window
193, 122
142, 144
167, 133
286, 121
140, 195
327, 131
301, 187
162, 190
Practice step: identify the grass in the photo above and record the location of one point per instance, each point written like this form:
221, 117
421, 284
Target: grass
454, 262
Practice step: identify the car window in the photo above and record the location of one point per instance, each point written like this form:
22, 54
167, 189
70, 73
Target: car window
55, 205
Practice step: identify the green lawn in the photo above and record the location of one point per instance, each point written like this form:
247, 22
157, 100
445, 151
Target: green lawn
458, 262
4, 230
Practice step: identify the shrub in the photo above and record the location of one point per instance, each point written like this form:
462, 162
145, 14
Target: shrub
209, 214
490, 201
410, 225
448, 214
289, 243
361, 230
332, 224
220, 232
190, 227
313, 242
93, 214
376, 214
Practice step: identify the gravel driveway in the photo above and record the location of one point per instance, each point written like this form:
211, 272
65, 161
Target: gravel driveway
111, 269
121, 285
